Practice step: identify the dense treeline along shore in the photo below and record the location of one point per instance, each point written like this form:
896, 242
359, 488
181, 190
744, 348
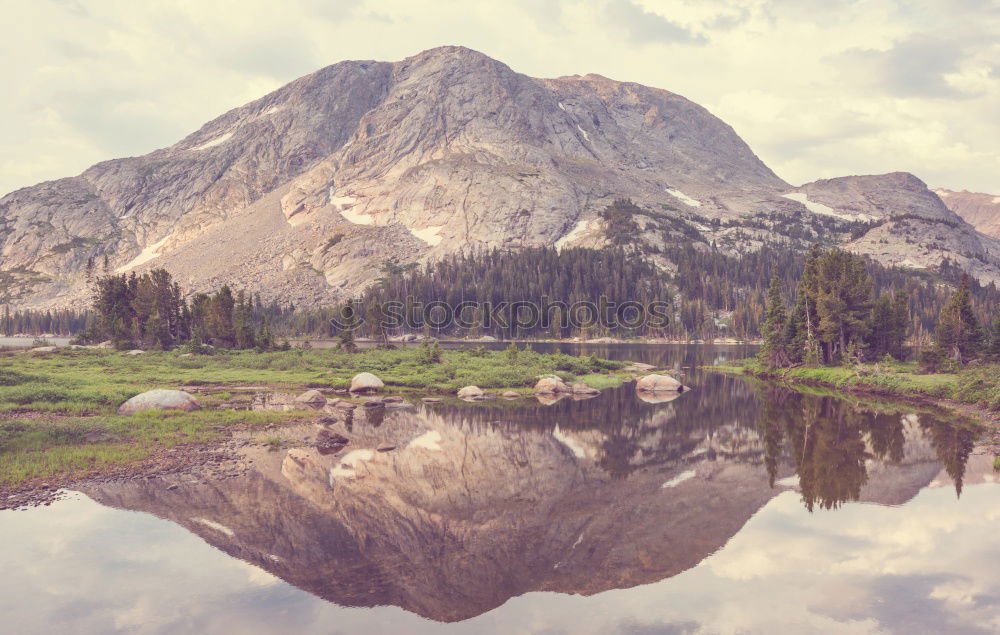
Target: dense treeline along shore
838, 334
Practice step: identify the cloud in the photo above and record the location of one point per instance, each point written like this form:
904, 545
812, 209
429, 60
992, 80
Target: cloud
817, 89
647, 27
917, 67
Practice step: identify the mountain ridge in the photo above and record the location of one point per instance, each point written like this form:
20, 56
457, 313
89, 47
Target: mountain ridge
302, 194
979, 209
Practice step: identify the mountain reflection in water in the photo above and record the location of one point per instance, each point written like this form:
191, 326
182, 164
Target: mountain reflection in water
450, 510
481, 502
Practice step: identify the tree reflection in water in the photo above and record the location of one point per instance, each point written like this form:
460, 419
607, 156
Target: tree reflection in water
832, 440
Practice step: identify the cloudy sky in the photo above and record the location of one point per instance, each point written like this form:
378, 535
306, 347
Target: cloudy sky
818, 88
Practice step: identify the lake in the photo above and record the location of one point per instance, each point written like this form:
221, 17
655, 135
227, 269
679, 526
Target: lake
738, 506
29, 342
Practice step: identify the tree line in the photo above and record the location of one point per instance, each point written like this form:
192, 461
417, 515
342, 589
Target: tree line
150, 311
502, 278
28, 322
837, 316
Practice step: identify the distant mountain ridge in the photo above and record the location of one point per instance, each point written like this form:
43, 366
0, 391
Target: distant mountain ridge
302, 194
982, 211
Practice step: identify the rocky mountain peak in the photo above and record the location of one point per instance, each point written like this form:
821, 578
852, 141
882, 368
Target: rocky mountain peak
302, 194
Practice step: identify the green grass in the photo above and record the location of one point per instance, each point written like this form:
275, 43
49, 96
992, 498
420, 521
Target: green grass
58, 410
979, 385
103, 379
38, 449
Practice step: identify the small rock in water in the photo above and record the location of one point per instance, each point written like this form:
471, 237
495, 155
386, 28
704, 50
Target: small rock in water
658, 383
551, 385
431, 400
510, 394
470, 392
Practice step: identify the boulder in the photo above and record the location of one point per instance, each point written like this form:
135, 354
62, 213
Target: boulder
136, 351
312, 397
345, 405
393, 399
470, 392
658, 383
409, 337
44, 349
487, 338
105, 344
510, 394
551, 385
159, 400
186, 355
366, 382
584, 389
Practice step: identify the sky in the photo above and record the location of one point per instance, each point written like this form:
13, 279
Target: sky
818, 88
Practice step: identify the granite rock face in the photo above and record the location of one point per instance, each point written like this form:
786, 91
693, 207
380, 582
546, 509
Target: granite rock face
982, 211
302, 194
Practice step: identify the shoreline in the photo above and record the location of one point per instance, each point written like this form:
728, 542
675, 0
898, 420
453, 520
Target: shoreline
59, 423
984, 416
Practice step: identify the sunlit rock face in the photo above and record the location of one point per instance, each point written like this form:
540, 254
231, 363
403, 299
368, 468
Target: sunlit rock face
302, 194
473, 506
982, 211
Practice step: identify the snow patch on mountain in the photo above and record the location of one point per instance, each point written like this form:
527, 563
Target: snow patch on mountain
578, 229
680, 478
214, 142
684, 198
428, 234
147, 254
819, 208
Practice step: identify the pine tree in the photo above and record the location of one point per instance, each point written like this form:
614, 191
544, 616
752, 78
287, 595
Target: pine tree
841, 293
774, 352
346, 336
889, 321
992, 350
958, 333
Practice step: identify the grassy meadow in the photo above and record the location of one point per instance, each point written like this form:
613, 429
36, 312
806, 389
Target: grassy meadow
976, 385
58, 409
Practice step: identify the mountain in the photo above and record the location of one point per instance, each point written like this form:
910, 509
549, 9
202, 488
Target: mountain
982, 211
304, 193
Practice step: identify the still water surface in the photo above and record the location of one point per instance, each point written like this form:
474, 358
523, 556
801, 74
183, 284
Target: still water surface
737, 506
